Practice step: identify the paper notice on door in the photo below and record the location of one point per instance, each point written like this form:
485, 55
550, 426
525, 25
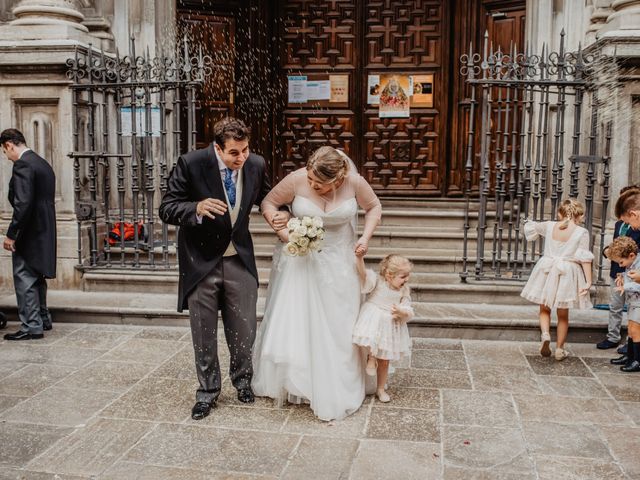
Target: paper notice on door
297, 89
339, 88
422, 91
318, 90
394, 97
373, 89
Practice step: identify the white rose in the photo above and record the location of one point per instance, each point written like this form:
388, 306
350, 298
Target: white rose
302, 251
293, 223
303, 242
307, 221
301, 230
317, 222
320, 235
314, 244
312, 232
292, 249
294, 237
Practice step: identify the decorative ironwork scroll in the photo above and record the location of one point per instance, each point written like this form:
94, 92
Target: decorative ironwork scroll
131, 116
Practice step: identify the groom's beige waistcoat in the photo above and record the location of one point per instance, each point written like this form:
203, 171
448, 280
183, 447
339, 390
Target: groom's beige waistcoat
233, 212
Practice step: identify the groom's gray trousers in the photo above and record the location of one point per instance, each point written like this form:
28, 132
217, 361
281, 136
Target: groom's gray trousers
231, 289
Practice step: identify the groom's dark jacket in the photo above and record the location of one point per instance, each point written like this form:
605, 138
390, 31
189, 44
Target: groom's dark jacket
195, 177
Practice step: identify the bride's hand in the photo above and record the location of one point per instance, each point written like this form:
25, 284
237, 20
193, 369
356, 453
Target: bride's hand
362, 247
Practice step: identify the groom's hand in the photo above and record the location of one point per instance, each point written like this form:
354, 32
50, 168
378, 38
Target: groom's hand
209, 207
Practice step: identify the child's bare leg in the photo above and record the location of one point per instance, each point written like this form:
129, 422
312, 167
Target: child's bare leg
563, 327
371, 364
545, 325
545, 319
383, 374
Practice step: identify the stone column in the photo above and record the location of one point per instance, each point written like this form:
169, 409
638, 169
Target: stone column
49, 12
601, 11
98, 21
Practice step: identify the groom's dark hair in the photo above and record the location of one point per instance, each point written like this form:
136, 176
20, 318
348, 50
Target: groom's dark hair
230, 128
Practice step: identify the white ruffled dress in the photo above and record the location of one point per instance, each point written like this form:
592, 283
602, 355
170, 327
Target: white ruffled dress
375, 328
557, 277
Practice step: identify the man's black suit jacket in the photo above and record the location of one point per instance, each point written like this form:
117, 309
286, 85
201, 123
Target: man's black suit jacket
32, 191
195, 177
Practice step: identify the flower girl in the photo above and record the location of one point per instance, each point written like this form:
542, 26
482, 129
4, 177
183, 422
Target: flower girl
562, 277
382, 323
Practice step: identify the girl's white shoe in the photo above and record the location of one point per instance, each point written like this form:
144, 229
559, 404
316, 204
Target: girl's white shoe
561, 354
545, 340
383, 396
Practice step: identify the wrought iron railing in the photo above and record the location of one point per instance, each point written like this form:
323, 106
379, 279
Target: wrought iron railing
131, 116
520, 162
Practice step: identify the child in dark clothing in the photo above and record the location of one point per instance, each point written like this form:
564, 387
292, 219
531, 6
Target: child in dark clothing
616, 298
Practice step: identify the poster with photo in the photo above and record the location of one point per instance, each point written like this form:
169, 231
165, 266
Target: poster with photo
394, 96
422, 91
373, 90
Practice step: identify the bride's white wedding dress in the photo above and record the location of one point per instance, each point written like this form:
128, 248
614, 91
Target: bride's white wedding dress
303, 349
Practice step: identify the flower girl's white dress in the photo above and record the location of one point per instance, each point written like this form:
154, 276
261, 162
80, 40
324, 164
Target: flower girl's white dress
375, 328
557, 278
303, 350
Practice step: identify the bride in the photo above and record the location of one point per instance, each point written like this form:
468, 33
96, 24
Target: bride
303, 351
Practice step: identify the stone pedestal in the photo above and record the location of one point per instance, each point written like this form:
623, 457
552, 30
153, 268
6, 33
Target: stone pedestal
36, 99
624, 18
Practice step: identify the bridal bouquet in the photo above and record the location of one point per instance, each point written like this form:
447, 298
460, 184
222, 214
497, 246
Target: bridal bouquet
305, 235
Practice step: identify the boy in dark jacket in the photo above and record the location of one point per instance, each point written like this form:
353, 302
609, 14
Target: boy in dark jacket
616, 299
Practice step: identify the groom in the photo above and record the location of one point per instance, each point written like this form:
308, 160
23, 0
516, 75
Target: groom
210, 195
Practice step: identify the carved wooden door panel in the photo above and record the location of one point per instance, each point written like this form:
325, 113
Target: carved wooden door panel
406, 156
398, 156
316, 37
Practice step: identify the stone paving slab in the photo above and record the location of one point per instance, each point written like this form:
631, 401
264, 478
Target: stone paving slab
112, 402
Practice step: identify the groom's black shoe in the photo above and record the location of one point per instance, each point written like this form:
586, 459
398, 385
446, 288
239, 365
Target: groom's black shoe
201, 410
23, 336
245, 395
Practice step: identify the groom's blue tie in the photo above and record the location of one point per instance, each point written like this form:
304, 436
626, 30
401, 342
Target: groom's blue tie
230, 187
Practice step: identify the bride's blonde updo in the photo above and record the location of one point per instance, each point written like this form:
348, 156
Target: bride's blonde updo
328, 164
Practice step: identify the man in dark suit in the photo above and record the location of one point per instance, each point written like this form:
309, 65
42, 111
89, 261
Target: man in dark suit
31, 236
210, 195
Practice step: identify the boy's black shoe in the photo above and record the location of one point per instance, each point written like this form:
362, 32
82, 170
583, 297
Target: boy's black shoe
633, 367
623, 360
606, 344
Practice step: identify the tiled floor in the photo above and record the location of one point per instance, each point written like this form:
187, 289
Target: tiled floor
113, 402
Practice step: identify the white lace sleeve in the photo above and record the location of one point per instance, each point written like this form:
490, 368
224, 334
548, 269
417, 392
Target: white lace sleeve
534, 230
583, 254
370, 281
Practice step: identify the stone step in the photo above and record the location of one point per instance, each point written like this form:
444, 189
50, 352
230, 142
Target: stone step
446, 320
426, 287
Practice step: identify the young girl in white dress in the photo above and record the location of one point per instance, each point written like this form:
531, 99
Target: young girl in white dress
562, 277
382, 323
